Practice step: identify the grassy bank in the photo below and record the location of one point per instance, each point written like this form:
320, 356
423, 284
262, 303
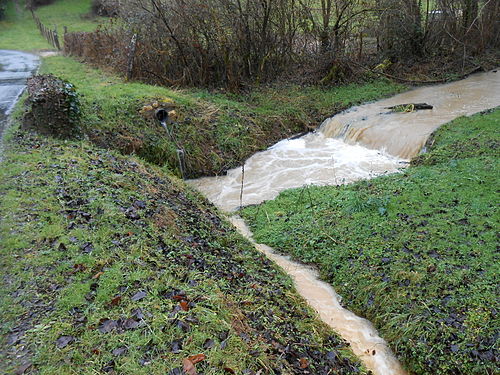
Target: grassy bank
415, 253
216, 130
109, 265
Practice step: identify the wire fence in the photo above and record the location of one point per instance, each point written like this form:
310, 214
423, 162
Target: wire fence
52, 36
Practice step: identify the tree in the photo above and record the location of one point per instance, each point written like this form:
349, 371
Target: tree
401, 32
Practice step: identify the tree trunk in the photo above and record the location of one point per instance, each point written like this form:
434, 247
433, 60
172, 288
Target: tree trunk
470, 12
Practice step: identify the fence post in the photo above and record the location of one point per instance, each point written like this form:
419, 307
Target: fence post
56, 39
131, 56
51, 35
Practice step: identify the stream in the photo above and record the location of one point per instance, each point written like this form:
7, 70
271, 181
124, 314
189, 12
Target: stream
361, 143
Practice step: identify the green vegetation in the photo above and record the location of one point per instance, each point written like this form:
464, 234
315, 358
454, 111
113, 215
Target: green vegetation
415, 253
217, 131
111, 264
18, 30
108, 264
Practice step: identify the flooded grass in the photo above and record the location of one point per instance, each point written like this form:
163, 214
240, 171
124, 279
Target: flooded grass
415, 253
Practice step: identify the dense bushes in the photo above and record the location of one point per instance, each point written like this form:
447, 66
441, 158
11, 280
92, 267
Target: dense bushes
104, 8
221, 42
233, 42
33, 4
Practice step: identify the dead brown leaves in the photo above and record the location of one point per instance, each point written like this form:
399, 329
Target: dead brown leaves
189, 363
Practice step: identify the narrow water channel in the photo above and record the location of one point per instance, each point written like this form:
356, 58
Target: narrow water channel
361, 143
364, 340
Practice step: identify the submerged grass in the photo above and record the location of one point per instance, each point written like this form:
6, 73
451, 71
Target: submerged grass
415, 253
110, 265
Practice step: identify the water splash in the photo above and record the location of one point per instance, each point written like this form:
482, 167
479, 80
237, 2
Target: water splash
312, 159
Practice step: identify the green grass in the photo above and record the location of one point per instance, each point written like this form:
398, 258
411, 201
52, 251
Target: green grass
83, 230
19, 32
416, 252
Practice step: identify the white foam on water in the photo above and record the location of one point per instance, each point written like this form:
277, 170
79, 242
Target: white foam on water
312, 159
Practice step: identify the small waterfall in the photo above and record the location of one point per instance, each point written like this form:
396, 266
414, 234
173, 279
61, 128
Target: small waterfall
403, 134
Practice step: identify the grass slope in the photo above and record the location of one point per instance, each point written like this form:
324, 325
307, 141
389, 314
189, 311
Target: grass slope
415, 253
109, 265
216, 130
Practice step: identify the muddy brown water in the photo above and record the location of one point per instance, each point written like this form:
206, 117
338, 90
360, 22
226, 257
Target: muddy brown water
404, 134
358, 332
361, 143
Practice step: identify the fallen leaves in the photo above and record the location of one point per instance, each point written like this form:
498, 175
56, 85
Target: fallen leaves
64, 341
190, 362
78, 268
122, 324
188, 367
119, 351
197, 358
115, 301
176, 346
139, 295
208, 344
87, 248
304, 363
107, 325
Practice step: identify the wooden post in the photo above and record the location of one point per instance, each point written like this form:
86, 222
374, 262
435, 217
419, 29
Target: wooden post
131, 56
56, 39
360, 52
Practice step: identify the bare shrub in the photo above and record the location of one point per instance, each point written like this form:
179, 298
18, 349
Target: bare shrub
232, 43
103, 47
33, 4
104, 8
2, 9
401, 33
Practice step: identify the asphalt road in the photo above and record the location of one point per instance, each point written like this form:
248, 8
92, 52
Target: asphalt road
15, 68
